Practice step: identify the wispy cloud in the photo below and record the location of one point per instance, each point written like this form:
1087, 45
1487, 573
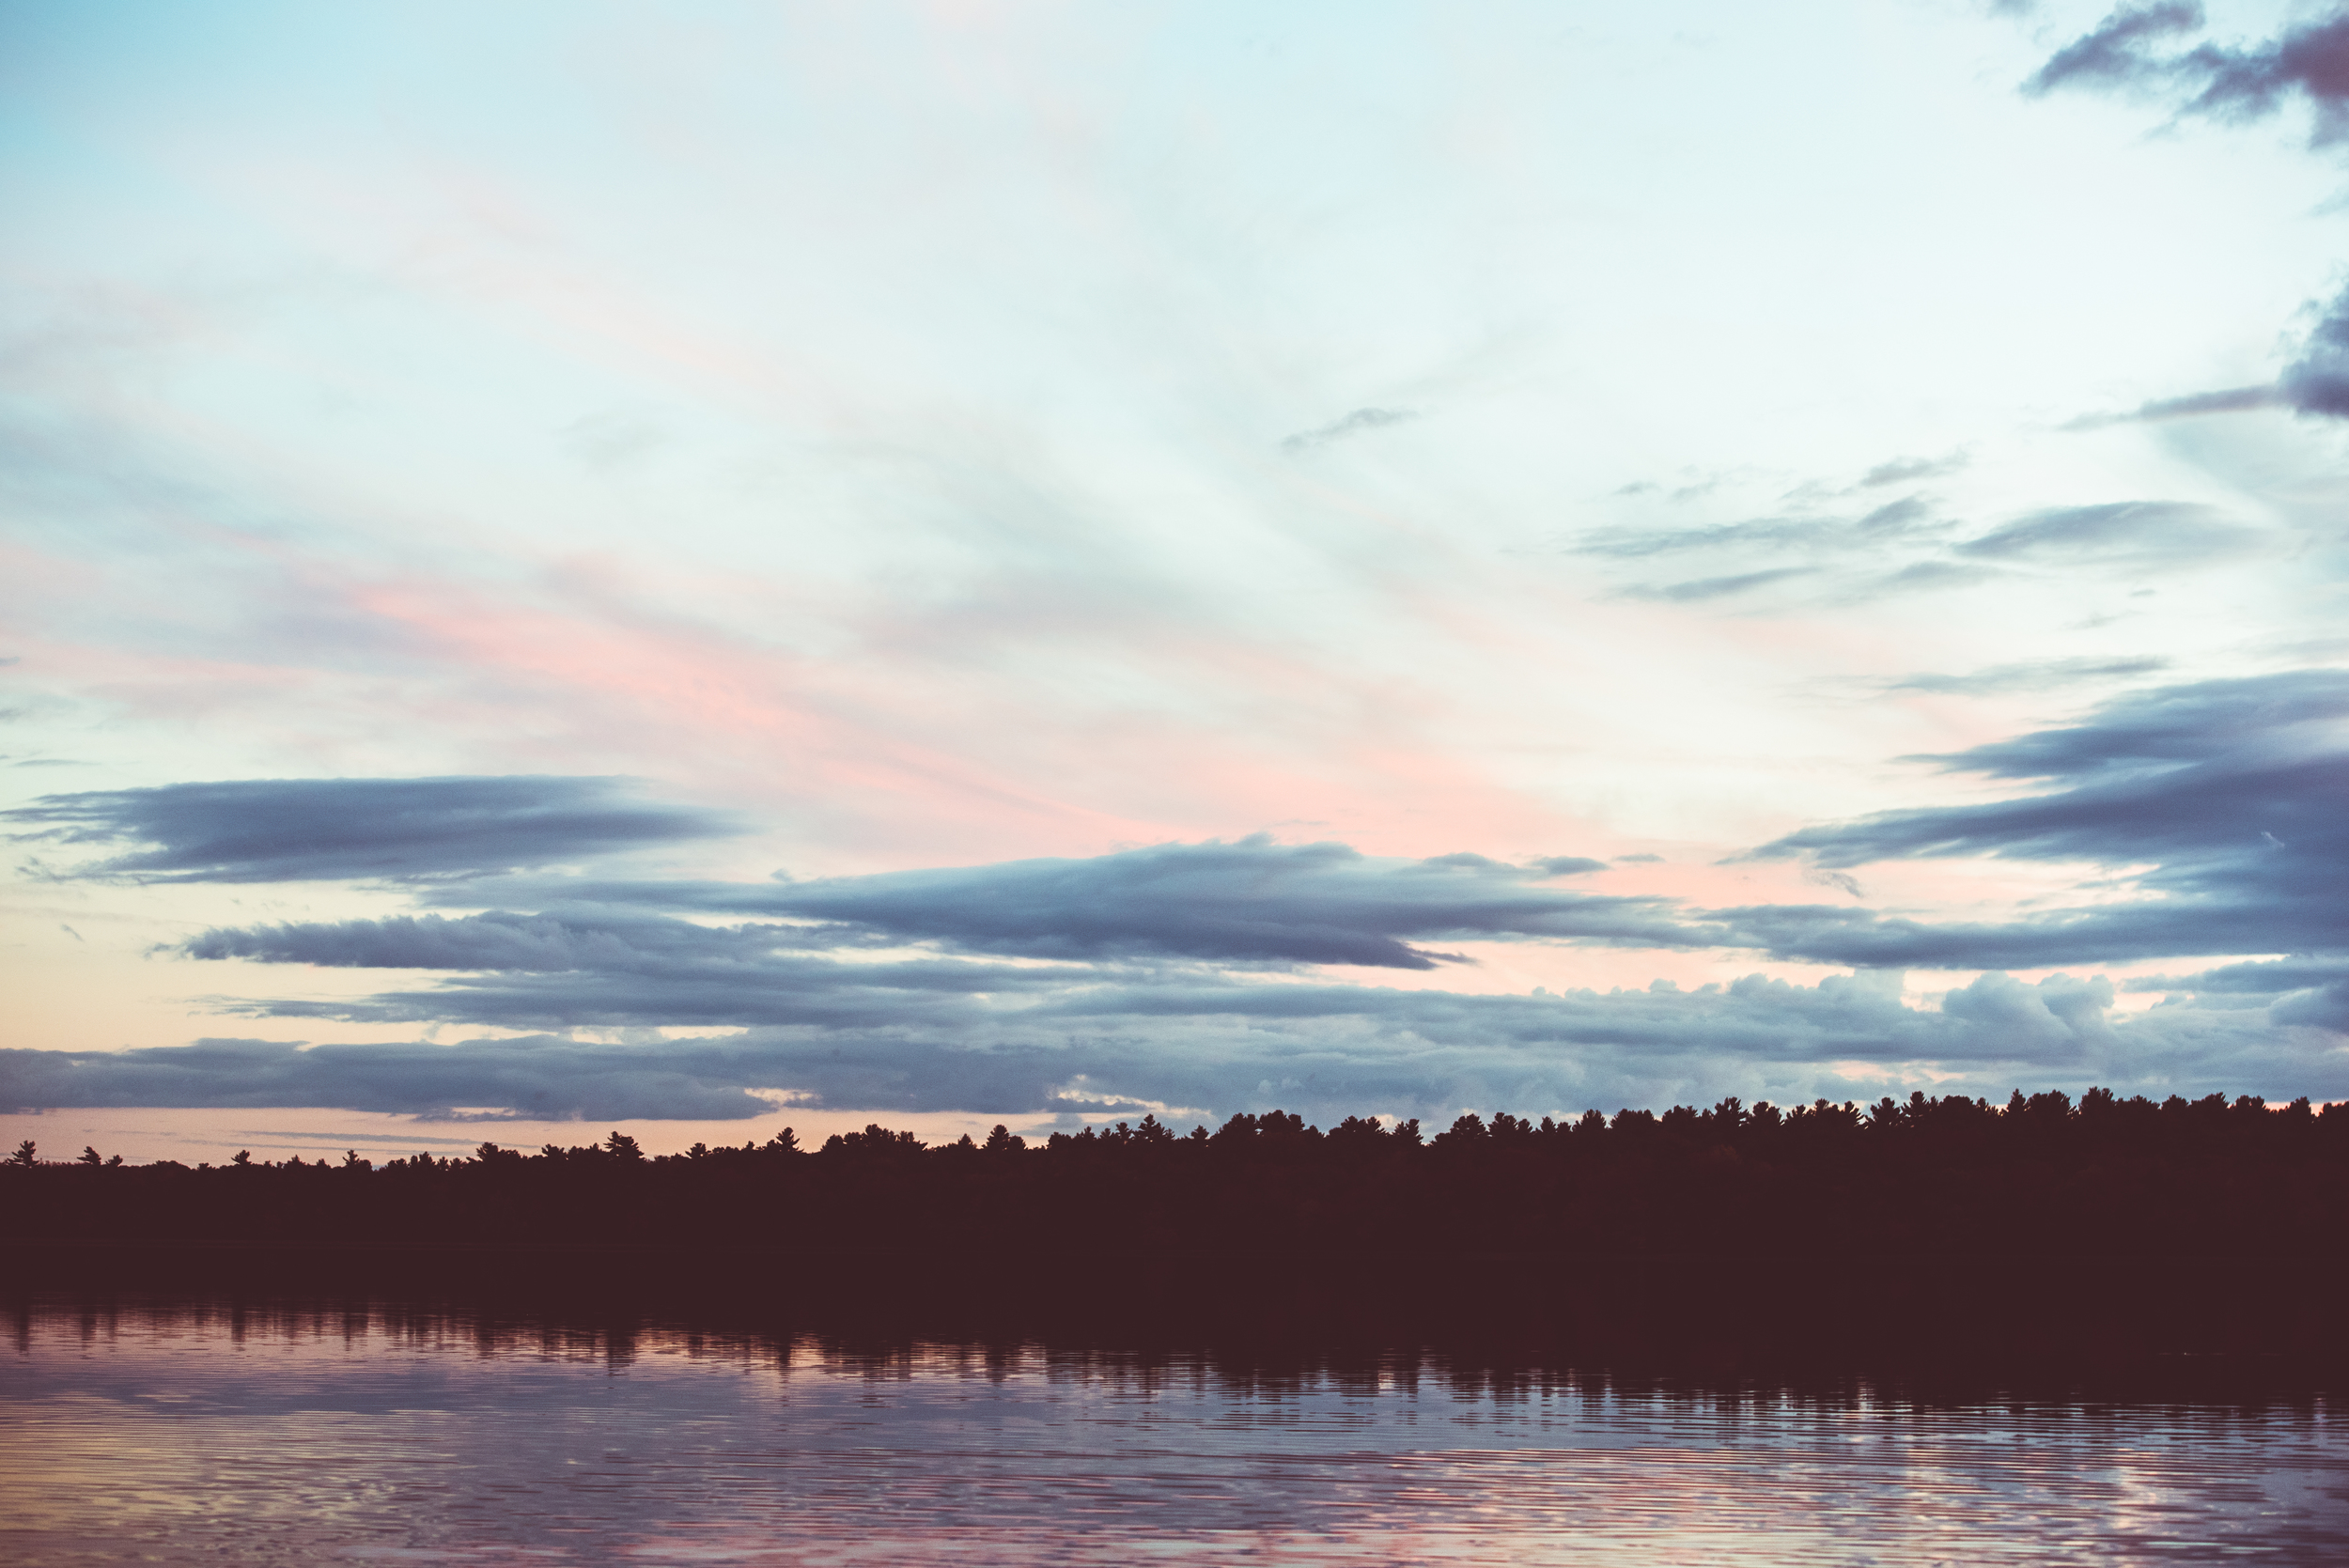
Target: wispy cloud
1909, 471
1353, 424
2145, 533
2030, 675
1702, 589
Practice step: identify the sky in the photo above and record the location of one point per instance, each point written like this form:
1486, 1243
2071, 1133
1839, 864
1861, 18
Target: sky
698, 567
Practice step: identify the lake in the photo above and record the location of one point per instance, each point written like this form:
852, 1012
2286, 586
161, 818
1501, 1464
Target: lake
186, 1432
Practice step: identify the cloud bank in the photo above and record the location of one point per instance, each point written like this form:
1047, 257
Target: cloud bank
1204, 1050
1199, 975
1909, 545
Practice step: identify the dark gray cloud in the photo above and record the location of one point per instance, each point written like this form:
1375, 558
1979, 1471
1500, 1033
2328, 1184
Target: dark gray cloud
2116, 934
2326, 1007
2145, 533
2311, 992
552, 1079
1353, 424
584, 970
2301, 990
588, 965
2228, 799
2220, 802
2205, 722
2233, 399
602, 968
2263, 980
2318, 382
2129, 49
2122, 50
496, 940
1565, 865
592, 967
540, 944
1251, 901
2310, 62
332, 830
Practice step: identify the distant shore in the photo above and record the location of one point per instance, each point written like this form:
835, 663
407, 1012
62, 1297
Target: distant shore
1937, 1230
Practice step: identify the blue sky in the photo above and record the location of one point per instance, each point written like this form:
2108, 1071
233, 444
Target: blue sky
704, 562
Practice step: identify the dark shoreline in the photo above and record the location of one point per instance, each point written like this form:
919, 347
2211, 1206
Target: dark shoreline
2111, 1239
2215, 1328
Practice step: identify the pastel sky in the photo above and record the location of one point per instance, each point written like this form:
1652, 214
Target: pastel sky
699, 566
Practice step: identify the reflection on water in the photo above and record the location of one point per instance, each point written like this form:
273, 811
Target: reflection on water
184, 1434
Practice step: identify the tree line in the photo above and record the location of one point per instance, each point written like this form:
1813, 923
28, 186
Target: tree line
2039, 1175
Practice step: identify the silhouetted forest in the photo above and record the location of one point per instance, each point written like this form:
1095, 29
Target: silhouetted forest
2038, 1177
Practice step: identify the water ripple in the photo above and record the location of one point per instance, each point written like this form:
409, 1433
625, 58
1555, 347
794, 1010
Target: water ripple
187, 1435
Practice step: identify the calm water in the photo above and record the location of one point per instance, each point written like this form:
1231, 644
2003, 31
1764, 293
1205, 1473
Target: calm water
186, 1435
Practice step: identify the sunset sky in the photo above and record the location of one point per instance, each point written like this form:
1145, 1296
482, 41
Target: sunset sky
696, 566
